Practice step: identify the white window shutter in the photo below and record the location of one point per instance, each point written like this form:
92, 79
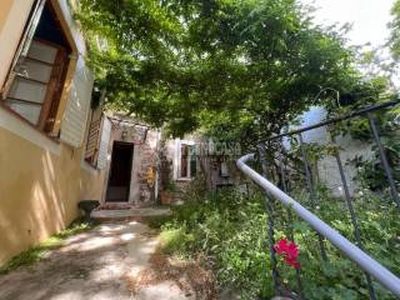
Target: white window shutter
104, 141
77, 109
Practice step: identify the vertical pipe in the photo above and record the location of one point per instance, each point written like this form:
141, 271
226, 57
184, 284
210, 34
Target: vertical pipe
312, 195
353, 217
385, 163
270, 222
290, 220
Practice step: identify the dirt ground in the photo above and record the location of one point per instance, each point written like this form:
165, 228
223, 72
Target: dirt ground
113, 261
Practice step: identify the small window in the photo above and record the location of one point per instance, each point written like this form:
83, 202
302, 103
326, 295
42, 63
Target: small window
36, 81
187, 162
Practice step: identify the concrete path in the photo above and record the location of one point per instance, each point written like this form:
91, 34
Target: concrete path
112, 261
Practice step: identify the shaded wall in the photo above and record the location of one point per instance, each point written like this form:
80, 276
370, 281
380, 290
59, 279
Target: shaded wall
41, 181
39, 191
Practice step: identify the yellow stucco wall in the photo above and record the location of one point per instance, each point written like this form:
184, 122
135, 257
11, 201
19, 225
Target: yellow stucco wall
39, 192
5, 7
13, 17
41, 182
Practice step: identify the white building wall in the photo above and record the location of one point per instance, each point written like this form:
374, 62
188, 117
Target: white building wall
328, 171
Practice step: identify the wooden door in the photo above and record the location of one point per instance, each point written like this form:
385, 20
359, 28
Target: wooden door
120, 172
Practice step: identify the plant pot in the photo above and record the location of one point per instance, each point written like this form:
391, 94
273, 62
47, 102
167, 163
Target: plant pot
166, 198
88, 206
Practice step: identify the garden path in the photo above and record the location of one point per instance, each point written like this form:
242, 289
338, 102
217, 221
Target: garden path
107, 262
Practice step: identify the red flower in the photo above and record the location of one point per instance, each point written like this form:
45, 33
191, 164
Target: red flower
289, 251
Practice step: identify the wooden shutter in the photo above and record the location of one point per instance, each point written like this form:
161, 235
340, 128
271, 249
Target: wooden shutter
104, 142
77, 109
184, 161
93, 140
24, 45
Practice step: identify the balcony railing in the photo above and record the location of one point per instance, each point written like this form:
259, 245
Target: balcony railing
374, 271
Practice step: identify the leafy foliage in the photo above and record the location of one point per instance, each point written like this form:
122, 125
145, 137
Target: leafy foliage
237, 253
218, 64
371, 173
230, 230
395, 27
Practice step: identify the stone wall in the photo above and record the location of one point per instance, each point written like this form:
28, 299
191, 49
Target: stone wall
147, 169
146, 142
208, 165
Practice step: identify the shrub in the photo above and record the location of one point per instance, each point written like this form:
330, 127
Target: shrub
230, 230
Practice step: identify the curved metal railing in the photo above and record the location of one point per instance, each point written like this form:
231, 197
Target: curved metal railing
371, 267
362, 259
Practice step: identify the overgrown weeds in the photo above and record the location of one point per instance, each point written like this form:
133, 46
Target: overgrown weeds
230, 230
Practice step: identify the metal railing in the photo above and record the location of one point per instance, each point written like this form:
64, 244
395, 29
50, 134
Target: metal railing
355, 252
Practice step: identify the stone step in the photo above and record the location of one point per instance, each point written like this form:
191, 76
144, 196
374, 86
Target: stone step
137, 214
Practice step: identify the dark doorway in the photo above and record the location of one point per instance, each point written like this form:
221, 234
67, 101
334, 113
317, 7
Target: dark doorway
120, 172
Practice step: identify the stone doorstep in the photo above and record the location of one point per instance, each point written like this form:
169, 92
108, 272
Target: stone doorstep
116, 206
137, 214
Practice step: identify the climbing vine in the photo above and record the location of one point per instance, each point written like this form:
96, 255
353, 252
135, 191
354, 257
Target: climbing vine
238, 67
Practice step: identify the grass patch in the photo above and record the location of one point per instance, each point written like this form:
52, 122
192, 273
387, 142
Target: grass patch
175, 241
37, 253
76, 227
156, 222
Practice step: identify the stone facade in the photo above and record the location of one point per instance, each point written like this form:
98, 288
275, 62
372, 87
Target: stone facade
216, 169
156, 174
147, 174
145, 141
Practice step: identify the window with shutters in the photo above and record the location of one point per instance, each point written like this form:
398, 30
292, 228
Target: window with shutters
98, 139
37, 75
96, 124
187, 164
93, 141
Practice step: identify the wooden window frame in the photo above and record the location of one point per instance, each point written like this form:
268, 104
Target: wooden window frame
188, 176
55, 88
58, 77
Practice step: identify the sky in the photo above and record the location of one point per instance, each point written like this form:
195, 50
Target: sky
369, 18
